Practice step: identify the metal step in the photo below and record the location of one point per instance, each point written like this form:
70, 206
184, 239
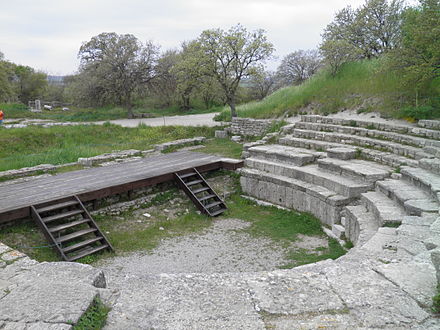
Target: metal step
192, 194
218, 212
204, 198
79, 245
213, 204
74, 235
183, 176
191, 183
68, 225
88, 251
199, 190
61, 215
56, 206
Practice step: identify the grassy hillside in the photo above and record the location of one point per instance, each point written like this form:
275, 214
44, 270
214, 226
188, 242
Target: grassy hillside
15, 111
30, 146
360, 85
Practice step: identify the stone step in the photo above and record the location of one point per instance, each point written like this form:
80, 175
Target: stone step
338, 231
431, 124
294, 194
433, 150
424, 179
368, 132
384, 209
361, 141
414, 200
348, 187
381, 126
285, 154
342, 153
430, 164
361, 169
383, 157
360, 225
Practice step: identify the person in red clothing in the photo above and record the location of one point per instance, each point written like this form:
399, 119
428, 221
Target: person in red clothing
1, 117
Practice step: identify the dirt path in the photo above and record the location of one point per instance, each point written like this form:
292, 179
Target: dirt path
205, 119
222, 247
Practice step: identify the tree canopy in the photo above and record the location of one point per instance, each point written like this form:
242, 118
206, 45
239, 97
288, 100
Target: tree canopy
298, 66
117, 65
366, 32
232, 55
418, 56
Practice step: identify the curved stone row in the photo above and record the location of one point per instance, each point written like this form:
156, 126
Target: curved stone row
393, 221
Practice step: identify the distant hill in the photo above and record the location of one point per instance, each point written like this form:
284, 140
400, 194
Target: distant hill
55, 80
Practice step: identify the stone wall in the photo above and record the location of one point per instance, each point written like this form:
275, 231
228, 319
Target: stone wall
250, 127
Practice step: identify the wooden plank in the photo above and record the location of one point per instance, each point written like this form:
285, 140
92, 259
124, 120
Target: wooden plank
101, 182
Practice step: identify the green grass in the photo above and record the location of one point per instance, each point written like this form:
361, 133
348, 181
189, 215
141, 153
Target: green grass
302, 256
222, 147
94, 318
15, 110
436, 301
349, 88
29, 239
135, 236
30, 146
284, 226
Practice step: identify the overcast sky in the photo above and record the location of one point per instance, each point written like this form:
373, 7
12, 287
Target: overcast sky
47, 34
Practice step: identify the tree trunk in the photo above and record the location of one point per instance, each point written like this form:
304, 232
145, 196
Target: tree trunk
231, 103
129, 106
185, 102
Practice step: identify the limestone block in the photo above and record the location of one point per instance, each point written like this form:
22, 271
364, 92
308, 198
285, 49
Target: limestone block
339, 231
342, 153
221, 134
85, 162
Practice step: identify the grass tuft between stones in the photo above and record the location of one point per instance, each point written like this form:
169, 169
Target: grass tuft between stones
94, 318
436, 301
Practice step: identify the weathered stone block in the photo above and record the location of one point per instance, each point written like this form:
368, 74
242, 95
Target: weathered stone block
221, 134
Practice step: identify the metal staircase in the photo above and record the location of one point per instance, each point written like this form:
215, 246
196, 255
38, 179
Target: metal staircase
71, 230
200, 193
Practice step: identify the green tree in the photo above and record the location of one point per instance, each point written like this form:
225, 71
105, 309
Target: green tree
298, 66
366, 32
262, 83
418, 58
190, 68
231, 55
29, 85
117, 66
7, 92
338, 52
164, 86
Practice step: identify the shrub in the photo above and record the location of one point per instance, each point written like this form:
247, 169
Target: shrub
420, 112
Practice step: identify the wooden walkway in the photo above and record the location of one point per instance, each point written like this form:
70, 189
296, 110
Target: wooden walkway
100, 182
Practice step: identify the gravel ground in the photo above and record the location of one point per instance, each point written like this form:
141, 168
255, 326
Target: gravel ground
188, 120
220, 248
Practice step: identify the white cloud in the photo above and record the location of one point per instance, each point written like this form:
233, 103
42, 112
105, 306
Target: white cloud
47, 34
